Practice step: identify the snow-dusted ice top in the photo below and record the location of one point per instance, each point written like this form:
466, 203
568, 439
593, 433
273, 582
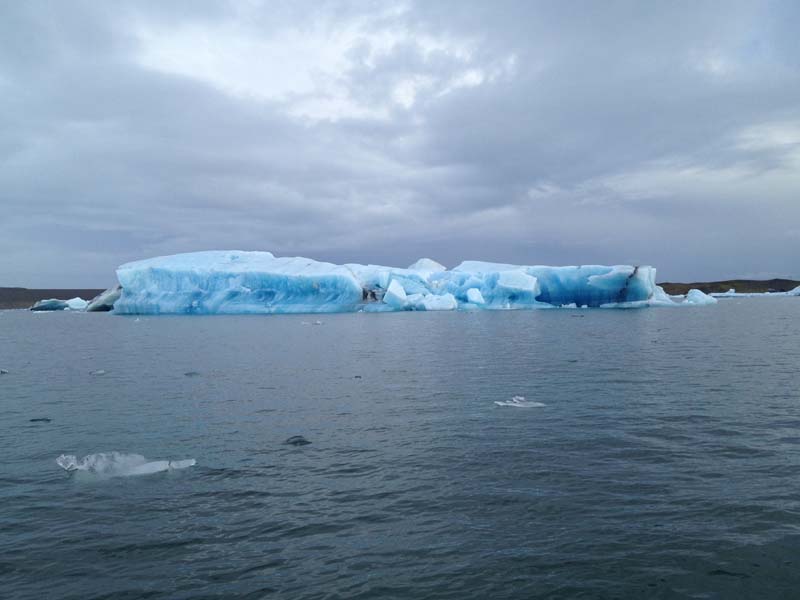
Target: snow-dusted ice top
237, 282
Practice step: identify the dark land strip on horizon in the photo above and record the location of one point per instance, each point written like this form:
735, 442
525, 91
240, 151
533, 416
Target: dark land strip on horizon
743, 286
16, 297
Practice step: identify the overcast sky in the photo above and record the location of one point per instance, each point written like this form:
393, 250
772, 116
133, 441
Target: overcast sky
663, 133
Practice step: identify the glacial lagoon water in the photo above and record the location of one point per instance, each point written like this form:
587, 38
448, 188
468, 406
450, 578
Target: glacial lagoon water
664, 462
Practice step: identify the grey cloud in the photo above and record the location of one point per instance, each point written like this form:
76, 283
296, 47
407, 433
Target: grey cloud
627, 118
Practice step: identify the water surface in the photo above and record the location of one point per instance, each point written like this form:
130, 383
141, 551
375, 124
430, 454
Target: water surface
664, 463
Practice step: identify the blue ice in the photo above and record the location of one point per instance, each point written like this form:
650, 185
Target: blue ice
238, 282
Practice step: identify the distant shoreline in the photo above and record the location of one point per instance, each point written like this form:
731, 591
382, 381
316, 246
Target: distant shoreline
17, 297
743, 286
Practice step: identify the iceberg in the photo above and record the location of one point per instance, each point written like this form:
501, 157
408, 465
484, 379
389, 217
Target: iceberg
77, 304
49, 304
239, 282
699, 298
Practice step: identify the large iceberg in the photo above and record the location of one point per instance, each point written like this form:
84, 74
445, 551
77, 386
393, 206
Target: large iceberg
237, 282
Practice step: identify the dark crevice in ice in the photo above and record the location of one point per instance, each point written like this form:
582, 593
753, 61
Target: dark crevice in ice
623, 293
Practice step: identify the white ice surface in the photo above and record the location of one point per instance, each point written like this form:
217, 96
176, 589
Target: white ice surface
395, 296
519, 402
475, 297
119, 464
236, 282
77, 304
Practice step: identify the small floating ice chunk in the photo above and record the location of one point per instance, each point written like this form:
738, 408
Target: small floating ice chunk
120, 464
699, 298
98, 372
518, 402
49, 305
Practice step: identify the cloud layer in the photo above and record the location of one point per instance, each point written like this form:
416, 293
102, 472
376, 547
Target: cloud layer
530, 132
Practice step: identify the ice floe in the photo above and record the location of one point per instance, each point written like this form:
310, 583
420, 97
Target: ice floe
699, 298
120, 464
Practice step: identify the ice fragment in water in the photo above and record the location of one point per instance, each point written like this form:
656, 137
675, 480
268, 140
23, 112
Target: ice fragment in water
699, 298
49, 305
519, 402
119, 464
237, 282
